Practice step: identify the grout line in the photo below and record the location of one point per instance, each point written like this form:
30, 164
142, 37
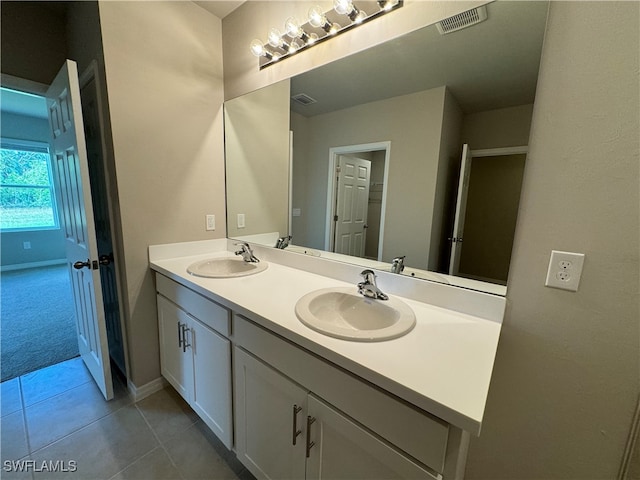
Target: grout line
160, 443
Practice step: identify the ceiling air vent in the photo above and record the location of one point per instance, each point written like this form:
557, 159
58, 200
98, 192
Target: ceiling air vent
462, 20
303, 99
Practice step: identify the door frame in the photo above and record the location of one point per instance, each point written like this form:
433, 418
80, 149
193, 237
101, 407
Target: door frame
92, 73
488, 152
332, 191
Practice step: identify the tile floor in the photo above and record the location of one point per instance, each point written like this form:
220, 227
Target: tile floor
57, 414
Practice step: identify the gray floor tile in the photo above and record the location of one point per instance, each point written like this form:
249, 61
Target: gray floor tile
67, 412
195, 454
153, 466
167, 413
10, 396
51, 381
104, 448
13, 442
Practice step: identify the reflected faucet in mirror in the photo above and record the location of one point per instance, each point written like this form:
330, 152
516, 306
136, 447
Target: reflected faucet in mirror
397, 265
283, 242
246, 252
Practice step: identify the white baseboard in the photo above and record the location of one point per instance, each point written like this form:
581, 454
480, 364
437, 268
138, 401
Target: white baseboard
24, 266
138, 393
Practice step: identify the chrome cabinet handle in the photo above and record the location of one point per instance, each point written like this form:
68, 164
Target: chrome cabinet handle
296, 432
185, 342
310, 444
180, 334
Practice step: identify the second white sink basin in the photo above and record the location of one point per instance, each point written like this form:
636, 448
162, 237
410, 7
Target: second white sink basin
344, 313
225, 267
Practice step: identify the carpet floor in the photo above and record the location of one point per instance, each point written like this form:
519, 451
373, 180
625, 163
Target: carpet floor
37, 320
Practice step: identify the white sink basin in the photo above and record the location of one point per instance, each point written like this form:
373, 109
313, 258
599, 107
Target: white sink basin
225, 267
344, 313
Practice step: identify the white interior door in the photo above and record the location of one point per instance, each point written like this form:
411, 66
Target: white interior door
70, 158
461, 209
352, 204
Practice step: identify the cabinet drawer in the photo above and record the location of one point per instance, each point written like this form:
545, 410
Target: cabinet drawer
414, 431
210, 313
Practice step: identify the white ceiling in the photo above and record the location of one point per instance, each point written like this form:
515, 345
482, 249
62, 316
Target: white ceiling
220, 8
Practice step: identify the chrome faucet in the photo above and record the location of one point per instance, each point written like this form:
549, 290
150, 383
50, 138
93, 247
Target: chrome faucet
368, 287
246, 252
397, 264
283, 242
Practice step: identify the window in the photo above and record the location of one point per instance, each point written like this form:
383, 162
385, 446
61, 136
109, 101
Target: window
27, 198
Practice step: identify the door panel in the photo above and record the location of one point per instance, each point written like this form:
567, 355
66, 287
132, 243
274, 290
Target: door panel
69, 152
344, 450
352, 205
264, 405
212, 381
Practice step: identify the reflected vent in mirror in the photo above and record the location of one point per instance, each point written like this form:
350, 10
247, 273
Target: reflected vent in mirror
462, 20
303, 99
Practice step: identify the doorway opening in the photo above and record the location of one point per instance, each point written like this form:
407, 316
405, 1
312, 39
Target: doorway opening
486, 212
63, 209
356, 200
38, 319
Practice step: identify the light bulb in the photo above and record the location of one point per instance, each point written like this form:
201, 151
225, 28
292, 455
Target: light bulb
275, 38
313, 37
316, 17
293, 47
360, 16
333, 29
343, 7
292, 26
257, 48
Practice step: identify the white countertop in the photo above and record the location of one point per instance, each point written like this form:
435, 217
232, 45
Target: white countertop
443, 365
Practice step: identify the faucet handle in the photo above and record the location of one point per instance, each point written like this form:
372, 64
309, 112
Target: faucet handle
368, 275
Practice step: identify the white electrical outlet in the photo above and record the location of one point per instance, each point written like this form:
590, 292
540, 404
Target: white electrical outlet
240, 220
211, 222
26, 245
296, 212
565, 269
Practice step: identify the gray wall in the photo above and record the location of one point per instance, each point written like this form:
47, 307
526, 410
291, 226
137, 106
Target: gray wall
163, 63
505, 127
257, 160
46, 245
414, 133
565, 381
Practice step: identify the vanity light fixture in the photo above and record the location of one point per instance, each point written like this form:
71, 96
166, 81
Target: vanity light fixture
321, 25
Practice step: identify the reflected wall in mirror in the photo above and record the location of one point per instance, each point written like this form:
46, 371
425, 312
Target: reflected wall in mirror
397, 116
256, 136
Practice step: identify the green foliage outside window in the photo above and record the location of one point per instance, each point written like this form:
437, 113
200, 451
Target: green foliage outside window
26, 192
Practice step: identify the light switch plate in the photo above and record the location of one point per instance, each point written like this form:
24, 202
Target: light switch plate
565, 269
240, 220
211, 222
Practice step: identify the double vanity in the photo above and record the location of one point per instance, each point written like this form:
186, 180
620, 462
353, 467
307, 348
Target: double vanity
295, 367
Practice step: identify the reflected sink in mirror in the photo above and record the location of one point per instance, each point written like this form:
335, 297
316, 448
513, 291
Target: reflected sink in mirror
225, 267
344, 313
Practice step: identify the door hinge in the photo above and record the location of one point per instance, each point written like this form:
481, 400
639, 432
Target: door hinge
335, 218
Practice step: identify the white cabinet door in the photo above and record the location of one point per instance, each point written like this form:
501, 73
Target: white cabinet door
176, 360
344, 450
212, 386
267, 420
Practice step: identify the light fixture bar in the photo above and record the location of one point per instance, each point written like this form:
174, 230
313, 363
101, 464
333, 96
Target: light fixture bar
320, 26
